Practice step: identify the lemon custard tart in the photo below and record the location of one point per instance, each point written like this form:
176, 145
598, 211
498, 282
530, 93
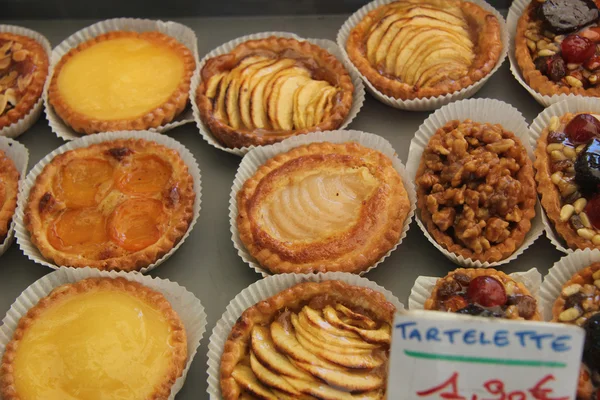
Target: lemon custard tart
322, 207
411, 49
329, 340
120, 204
98, 338
9, 187
122, 81
266, 90
23, 73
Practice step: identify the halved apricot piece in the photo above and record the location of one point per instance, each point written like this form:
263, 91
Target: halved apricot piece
77, 230
144, 175
84, 182
137, 223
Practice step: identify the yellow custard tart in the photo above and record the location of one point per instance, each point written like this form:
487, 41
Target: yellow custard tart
96, 339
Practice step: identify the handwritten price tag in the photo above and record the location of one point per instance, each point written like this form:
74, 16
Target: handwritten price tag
445, 356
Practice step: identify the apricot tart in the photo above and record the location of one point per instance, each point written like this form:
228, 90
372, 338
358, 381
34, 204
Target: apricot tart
483, 292
329, 340
266, 90
557, 47
9, 187
120, 204
568, 176
98, 338
413, 49
23, 72
475, 190
322, 207
579, 304
122, 81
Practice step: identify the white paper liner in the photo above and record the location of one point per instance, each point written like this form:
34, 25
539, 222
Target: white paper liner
258, 156
260, 291
182, 33
429, 103
561, 272
424, 286
21, 232
20, 157
358, 96
479, 110
187, 306
574, 104
16, 129
514, 13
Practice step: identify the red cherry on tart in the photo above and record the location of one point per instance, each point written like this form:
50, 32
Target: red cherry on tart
486, 291
592, 209
583, 128
577, 49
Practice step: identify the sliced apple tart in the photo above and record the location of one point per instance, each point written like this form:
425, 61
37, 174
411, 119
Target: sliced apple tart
412, 49
266, 90
327, 340
9, 187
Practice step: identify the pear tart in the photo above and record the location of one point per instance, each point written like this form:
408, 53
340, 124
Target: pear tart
322, 207
23, 72
99, 338
9, 187
327, 340
266, 90
122, 81
412, 49
119, 204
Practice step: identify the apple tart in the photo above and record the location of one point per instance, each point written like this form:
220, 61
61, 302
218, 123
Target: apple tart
411, 49
99, 338
327, 340
322, 207
23, 72
122, 81
9, 188
119, 204
266, 90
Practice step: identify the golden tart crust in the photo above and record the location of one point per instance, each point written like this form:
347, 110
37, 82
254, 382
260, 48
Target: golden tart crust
322, 207
176, 344
469, 40
292, 315
9, 187
137, 194
155, 116
251, 111
23, 72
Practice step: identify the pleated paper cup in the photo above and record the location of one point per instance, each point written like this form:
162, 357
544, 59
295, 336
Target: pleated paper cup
514, 13
260, 291
22, 234
358, 96
478, 110
561, 272
20, 157
428, 103
260, 155
187, 306
424, 285
182, 33
16, 129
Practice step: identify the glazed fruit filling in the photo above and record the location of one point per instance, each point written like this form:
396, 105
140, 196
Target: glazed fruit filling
564, 41
484, 296
574, 156
16, 73
324, 349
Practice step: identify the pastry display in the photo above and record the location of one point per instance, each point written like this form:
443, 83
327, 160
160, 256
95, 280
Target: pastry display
411, 49
568, 176
483, 292
99, 338
557, 46
119, 204
122, 81
322, 207
329, 340
9, 187
23, 72
476, 191
266, 90
579, 304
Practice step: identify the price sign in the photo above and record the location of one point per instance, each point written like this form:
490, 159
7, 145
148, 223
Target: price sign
438, 355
